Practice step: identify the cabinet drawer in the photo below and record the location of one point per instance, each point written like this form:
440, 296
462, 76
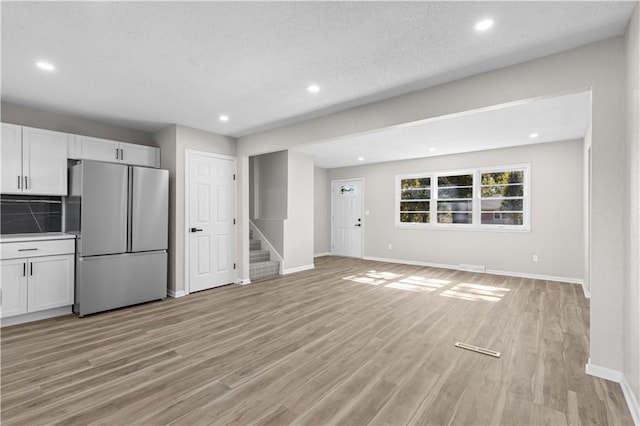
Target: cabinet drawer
36, 248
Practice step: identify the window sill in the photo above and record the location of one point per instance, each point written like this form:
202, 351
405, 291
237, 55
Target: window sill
461, 227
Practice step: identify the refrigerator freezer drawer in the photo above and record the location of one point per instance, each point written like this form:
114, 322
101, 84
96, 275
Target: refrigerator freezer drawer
109, 282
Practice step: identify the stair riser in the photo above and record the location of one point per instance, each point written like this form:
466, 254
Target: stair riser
257, 272
259, 256
255, 244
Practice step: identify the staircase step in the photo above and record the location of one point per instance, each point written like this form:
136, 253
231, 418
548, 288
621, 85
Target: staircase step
255, 244
259, 256
259, 270
251, 234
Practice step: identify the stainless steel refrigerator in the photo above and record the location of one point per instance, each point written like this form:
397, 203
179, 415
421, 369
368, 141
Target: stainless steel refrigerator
120, 216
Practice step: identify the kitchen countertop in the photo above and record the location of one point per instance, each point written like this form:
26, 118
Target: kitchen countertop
16, 238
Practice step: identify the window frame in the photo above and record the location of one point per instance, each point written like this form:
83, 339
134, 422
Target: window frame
398, 212
526, 197
476, 199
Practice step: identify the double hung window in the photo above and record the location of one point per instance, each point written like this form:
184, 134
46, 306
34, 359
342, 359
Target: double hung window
483, 198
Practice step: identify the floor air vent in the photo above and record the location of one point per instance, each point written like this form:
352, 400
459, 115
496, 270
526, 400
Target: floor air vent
471, 268
478, 349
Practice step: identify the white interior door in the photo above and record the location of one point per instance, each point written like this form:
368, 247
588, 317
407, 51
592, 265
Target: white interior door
211, 226
346, 217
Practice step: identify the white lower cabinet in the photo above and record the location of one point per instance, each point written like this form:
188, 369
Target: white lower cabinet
14, 287
38, 283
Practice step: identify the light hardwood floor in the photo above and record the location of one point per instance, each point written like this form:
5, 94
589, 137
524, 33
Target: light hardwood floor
351, 342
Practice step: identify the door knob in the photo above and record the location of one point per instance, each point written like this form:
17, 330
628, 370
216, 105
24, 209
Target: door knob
196, 230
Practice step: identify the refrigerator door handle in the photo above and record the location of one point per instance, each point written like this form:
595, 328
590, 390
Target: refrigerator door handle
130, 211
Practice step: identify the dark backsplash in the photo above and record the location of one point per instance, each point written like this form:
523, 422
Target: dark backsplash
23, 214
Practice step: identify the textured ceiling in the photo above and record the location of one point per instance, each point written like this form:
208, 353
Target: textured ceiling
145, 65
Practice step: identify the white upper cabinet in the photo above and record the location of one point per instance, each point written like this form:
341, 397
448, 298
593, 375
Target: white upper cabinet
139, 155
88, 148
11, 159
34, 161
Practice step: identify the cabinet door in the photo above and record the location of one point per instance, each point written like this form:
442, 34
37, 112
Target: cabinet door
50, 282
140, 155
44, 162
13, 284
97, 149
11, 159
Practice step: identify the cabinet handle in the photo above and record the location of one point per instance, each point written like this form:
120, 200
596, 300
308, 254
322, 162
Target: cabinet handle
26, 182
19, 181
121, 154
31, 249
24, 269
117, 154
31, 269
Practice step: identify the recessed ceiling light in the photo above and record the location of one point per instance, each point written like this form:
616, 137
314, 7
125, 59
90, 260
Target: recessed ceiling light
533, 135
314, 88
360, 158
46, 66
432, 149
484, 25
224, 118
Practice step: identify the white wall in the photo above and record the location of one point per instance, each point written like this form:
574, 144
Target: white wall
631, 349
298, 227
599, 67
321, 211
32, 117
556, 217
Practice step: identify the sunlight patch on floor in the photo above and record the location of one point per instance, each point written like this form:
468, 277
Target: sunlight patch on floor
396, 281
475, 292
416, 283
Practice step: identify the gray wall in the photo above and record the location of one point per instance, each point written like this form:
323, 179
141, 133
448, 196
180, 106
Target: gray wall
631, 350
173, 142
166, 140
321, 212
556, 217
298, 234
282, 185
599, 67
270, 177
32, 117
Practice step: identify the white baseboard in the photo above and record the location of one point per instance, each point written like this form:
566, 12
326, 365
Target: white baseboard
585, 290
298, 269
325, 253
603, 372
487, 271
536, 276
618, 377
411, 262
632, 401
36, 316
176, 294
244, 281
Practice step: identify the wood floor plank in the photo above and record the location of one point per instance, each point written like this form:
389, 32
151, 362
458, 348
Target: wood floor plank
349, 342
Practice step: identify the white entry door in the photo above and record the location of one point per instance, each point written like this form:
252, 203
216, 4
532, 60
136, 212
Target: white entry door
347, 222
211, 222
